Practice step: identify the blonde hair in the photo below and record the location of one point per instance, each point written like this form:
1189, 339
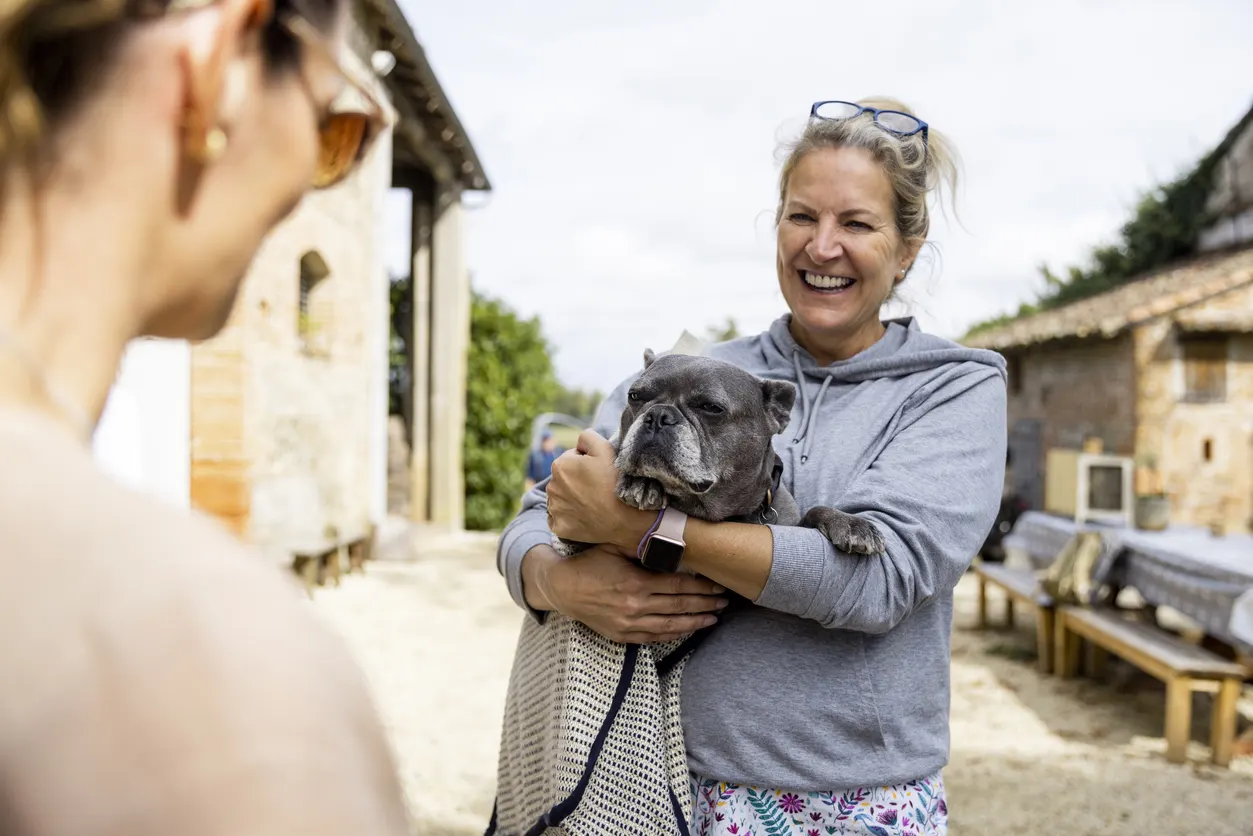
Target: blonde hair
914, 167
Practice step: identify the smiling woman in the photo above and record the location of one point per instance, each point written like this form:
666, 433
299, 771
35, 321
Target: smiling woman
851, 218
824, 705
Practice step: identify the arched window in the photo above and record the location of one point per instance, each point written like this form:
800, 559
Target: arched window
309, 325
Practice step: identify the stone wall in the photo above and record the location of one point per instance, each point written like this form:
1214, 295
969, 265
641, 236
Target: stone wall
1062, 394
1181, 435
287, 415
1078, 390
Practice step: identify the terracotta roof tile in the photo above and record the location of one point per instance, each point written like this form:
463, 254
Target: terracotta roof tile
1143, 299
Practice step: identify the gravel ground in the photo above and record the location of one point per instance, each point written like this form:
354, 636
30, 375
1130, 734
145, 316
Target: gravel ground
1031, 755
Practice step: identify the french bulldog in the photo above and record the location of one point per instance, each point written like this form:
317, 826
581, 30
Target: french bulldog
696, 435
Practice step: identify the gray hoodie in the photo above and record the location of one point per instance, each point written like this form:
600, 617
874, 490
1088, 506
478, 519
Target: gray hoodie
839, 677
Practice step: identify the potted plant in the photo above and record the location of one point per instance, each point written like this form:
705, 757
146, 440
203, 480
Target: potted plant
1152, 509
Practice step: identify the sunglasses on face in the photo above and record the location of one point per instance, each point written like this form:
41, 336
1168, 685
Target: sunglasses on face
348, 130
892, 121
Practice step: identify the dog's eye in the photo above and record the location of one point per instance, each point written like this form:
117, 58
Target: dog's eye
711, 408
634, 397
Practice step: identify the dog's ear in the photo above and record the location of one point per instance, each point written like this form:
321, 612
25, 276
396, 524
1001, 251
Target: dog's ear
777, 397
649, 357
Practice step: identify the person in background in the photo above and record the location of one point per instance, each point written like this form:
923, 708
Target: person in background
539, 463
158, 676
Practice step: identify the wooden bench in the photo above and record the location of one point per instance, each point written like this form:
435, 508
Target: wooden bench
321, 560
362, 548
1184, 668
1019, 585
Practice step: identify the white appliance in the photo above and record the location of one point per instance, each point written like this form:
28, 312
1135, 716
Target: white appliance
1090, 487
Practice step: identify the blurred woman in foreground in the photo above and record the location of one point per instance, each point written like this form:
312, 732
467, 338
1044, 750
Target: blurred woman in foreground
158, 678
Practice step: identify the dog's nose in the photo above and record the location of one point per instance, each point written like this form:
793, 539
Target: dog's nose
660, 417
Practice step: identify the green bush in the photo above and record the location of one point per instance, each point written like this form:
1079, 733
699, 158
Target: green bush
509, 381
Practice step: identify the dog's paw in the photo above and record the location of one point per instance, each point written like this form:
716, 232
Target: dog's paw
641, 492
846, 532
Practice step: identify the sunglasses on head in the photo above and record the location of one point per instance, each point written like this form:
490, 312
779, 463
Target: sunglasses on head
348, 131
892, 121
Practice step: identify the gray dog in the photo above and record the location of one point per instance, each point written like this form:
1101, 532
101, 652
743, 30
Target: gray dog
696, 435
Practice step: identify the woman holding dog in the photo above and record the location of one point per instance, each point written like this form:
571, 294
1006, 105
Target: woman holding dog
825, 702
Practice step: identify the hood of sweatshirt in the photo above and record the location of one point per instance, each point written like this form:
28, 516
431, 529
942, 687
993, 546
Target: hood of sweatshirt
903, 351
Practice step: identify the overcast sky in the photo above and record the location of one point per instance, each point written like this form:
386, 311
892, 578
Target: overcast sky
632, 146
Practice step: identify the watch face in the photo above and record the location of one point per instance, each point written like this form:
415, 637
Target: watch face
662, 554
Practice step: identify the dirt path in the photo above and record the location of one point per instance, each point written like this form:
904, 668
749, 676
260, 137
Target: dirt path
1031, 755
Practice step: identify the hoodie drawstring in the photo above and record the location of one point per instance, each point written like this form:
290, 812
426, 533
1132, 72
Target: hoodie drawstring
800, 384
807, 413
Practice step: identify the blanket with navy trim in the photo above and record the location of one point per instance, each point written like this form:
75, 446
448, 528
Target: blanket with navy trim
592, 738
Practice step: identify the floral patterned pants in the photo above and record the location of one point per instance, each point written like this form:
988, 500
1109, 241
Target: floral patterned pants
916, 808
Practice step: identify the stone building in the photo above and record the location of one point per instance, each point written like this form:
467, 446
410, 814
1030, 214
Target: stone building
279, 425
1160, 369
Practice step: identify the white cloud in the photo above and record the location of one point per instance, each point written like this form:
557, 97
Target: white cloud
632, 147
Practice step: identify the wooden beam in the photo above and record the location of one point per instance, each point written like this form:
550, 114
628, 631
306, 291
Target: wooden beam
413, 135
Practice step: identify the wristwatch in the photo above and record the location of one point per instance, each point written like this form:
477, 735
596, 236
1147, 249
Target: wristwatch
662, 548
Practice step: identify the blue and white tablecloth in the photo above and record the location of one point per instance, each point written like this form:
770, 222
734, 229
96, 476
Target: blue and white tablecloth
1242, 619
1185, 568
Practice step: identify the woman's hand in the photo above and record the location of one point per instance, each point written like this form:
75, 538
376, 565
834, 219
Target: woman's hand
616, 597
582, 498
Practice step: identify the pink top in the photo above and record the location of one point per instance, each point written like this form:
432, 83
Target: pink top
159, 678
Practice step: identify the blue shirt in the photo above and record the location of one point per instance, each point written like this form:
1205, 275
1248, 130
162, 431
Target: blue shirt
539, 464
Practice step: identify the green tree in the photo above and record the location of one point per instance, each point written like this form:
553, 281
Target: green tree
509, 380
398, 347
728, 331
577, 403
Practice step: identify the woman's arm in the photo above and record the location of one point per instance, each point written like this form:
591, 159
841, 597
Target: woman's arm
933, 493
738, 556
602, 587
612, 594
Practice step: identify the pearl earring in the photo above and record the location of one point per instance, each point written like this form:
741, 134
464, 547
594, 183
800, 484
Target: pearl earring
215, 143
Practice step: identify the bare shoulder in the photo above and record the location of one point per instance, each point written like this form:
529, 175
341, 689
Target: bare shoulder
172, 677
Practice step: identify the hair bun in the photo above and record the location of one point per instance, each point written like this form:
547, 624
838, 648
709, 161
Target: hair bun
37, 37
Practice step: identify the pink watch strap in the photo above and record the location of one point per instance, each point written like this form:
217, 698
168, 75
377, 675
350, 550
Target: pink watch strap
672, 524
